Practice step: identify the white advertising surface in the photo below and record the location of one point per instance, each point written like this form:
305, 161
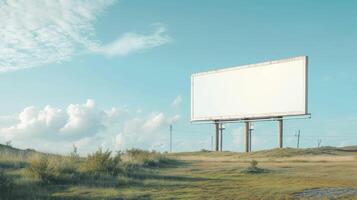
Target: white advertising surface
264, 90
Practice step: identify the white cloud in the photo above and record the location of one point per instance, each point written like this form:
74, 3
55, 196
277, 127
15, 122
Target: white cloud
7, 120
154, 122
76, 122
173, 119
144, 132
38, 32
83, 120
177, 101
87, 127
133, 42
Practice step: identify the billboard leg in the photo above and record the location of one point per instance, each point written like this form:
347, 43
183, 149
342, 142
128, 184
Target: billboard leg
250, 138
221, 137
247, 140
280, 132
217, 136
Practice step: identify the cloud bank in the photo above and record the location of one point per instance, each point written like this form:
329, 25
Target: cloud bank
55, 130
34, 33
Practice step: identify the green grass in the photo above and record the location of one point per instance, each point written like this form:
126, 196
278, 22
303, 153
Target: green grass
276, 174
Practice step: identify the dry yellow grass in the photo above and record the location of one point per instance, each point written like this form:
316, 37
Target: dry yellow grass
222, 175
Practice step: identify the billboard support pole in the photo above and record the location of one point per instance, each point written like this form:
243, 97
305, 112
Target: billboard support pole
221, 137
221, 128
217, 136
247, 140
250, 136
280, 132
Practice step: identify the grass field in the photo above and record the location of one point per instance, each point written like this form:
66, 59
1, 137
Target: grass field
324, 173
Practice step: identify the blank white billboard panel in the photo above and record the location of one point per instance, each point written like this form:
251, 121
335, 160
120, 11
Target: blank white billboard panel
270, 89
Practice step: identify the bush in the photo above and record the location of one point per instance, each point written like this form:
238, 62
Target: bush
63, 165
101, 162
146, 158
137, 155
253, 163
6, 186
131, 169
40, 168
254, 169
68, 164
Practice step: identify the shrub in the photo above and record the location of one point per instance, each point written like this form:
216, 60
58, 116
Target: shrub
254, 169
39, 167
63, 165
131, 169
68, 164
253, 163
137, 155
6, 186
101, 162
146, 158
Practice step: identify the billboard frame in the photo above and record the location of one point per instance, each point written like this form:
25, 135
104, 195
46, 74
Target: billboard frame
257, 117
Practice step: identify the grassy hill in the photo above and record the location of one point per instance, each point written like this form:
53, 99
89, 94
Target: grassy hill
316, 173
4, 149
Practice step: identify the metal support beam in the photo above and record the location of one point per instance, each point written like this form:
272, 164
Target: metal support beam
217, 136
221, 137
280, 132
250, 137
247, 139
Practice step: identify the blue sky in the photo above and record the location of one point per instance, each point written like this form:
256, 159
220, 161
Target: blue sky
137, 57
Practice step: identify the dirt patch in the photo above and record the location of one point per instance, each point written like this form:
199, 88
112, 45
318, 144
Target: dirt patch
326, 193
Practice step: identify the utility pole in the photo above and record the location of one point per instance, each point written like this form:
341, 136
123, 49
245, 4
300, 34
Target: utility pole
298, 139
170, 138
319, 141
212, 147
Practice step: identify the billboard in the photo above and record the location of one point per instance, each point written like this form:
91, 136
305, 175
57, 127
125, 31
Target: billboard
257, 91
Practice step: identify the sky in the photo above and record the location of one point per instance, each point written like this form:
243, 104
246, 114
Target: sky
116, 74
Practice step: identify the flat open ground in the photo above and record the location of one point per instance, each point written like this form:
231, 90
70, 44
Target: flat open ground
324, 173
